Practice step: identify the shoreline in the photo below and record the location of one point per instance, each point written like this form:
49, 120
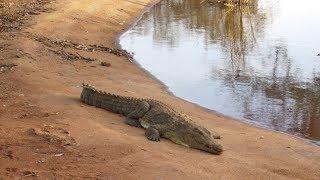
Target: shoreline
49, 133
135, 20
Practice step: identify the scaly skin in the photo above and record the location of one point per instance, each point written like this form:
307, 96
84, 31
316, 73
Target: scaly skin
158, 119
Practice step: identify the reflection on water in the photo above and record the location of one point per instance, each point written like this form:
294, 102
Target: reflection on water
256, 63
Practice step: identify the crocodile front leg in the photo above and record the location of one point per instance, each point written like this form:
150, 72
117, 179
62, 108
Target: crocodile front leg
132, 122
152, 134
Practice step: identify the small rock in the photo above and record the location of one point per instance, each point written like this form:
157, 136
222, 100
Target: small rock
46, 114
318, 54
57, 155
261, 137
42, 160
46, 130
105, 64
34, 13
9, 154
64, 131
23, 116
49, 126
31, 132
288, 147
12, 169
29, 173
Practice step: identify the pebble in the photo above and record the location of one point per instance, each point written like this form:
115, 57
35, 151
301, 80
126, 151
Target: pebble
42, 160
105, 64
46, 125
57, 155
29, 173
32, 131
12, 169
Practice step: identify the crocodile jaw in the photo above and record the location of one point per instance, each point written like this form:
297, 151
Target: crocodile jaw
212, 148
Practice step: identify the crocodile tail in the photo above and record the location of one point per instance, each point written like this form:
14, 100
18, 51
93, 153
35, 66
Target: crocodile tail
88, 93
111, 102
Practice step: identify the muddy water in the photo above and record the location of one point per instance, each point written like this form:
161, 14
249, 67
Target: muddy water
258, 64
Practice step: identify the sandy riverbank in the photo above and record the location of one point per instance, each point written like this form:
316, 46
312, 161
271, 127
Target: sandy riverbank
47, 133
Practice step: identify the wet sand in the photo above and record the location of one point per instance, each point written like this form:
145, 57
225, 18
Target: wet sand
47, 133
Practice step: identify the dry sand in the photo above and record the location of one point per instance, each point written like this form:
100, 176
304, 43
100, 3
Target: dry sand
47, 133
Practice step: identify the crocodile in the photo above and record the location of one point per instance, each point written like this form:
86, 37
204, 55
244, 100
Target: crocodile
159, 119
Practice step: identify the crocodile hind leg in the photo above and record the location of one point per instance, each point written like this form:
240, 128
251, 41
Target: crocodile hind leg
152, 134
133, 117
133, 122
142, 108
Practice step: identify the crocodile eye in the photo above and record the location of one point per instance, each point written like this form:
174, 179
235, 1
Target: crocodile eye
198, 131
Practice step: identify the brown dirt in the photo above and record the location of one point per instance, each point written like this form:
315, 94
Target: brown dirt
47, 133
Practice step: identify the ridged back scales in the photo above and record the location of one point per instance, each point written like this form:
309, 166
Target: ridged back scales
125, 105
111, 102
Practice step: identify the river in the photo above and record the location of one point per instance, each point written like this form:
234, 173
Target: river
256, 63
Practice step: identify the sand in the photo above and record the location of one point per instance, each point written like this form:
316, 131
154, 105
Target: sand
47, 133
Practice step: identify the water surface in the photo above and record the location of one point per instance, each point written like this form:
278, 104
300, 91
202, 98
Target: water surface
258, 63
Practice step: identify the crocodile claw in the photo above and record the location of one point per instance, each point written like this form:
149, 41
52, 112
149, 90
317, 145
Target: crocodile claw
152, 134
153, 138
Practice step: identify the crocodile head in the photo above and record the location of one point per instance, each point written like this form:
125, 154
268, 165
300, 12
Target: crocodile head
201, 139
211, 147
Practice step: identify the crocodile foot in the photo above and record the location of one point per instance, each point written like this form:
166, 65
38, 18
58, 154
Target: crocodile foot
152, 134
